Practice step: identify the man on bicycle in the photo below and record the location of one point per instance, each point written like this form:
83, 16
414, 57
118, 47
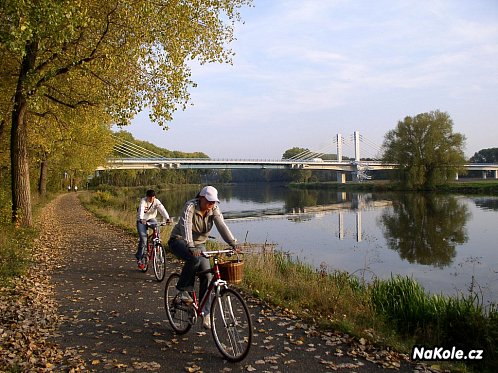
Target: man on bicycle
188, 240
146, 213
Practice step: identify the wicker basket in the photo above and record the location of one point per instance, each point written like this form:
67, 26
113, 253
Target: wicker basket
232, 271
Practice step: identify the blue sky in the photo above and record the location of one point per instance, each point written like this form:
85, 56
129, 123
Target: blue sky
305, 70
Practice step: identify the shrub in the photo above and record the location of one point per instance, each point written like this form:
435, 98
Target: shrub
102, 198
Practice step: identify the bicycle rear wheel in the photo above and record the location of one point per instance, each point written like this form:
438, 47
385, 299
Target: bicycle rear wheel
159, 262
178, 313
231, 325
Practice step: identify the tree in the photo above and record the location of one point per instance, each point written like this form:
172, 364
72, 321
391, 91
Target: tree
485, 156
298, 175
117, 56
426, 149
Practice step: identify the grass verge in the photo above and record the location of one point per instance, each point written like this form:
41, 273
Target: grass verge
16, 244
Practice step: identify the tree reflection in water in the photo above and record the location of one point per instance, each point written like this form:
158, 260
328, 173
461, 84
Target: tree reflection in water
487, 203
425, 228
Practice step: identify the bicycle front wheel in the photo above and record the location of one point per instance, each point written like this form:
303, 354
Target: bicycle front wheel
146, 257
159, 262
178, 313
231, 325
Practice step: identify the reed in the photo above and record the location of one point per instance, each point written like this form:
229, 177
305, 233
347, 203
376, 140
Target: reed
437, 320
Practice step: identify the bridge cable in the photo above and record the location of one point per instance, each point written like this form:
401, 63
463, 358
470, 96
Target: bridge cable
133, 150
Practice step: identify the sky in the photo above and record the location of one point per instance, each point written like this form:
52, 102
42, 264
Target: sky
307, 70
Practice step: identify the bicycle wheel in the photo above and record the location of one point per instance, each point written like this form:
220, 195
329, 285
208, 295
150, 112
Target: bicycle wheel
231, 325
179, 314
159, 262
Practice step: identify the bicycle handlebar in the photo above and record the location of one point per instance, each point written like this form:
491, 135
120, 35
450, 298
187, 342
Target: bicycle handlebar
161, 223
207, 254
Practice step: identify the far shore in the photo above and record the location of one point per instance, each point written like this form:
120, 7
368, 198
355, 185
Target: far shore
467, 186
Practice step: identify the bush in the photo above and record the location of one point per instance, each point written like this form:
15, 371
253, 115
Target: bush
102, 198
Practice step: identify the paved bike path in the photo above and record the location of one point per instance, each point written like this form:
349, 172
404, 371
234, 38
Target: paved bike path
114, 318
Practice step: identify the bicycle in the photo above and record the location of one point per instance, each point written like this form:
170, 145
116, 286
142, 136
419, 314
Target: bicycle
231, 324
155, 252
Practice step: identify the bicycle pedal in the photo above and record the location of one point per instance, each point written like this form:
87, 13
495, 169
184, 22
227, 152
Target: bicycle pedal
183, 302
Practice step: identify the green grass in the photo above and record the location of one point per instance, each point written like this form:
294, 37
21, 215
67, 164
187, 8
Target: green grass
333, 300
15, 252
437, 320
16, 244
117, 208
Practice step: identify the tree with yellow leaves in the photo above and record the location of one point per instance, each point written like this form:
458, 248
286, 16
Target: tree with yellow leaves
115, 56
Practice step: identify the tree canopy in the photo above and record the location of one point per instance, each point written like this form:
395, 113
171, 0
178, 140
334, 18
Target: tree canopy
426, 148
100, 62
489, 155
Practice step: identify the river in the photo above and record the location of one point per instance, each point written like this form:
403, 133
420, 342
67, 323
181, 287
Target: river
448, 243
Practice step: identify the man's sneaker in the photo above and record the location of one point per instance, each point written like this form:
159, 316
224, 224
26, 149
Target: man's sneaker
206, 321
140, 264
185, 297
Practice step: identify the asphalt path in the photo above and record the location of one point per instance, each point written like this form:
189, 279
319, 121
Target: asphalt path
114, 319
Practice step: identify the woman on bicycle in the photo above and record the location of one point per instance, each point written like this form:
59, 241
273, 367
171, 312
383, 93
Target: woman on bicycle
146, 213
188, 240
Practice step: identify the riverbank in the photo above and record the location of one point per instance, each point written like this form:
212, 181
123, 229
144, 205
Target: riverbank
467, 186
339, 301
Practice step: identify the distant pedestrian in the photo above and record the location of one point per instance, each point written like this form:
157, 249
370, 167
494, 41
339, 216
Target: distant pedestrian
75, 188
146, 213
69, 188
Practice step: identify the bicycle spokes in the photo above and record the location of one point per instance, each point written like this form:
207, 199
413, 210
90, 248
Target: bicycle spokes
159, 261
231, 325
179, 314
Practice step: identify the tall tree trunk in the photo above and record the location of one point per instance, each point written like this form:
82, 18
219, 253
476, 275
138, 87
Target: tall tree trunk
2, 129
42, 182
21, 194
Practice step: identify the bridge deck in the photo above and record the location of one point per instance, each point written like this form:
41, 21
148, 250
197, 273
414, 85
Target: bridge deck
207, 163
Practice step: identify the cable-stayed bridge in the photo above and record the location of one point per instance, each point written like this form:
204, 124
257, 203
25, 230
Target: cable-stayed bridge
129, 155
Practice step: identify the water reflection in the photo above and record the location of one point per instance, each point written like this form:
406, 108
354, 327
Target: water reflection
425, 228
487, 203
446, 242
